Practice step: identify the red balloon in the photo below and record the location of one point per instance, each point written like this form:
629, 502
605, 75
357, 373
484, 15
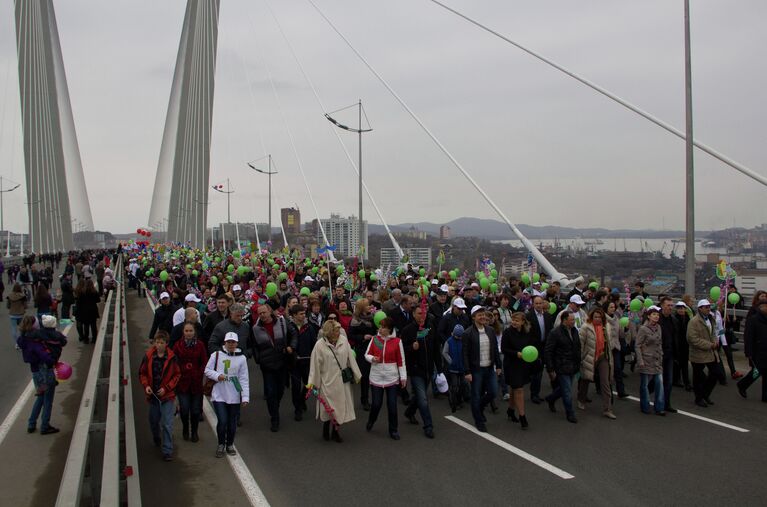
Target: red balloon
138, 231
63, 370
148, 234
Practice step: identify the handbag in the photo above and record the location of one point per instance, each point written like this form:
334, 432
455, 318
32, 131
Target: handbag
207, 386
347, 375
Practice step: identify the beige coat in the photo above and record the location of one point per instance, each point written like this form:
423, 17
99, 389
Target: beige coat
325, 375
649, 350
700, 338
588, 336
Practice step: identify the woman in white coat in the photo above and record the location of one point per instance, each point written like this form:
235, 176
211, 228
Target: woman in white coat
331, 356
228, 368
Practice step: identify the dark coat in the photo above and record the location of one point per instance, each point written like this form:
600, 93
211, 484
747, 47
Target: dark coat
271, 353
428, 358
163, 319
87, 308
400, 319
357, 331
535, 328
516, 371
471, 348
755, 338
448, 322
209, 324
563, 351
177, 334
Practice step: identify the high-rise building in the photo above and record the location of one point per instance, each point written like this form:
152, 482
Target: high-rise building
344, 234
416, 257
291, 220
444, 232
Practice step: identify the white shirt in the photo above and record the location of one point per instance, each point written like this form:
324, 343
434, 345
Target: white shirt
541, 324
484, 349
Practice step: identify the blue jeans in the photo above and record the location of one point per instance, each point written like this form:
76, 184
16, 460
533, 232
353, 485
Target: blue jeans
484, 388
419, 401
274, 387
668, 379
564, 390
227, 415
44, 378
644, 393
15, 321
190, 408
618, 371
391, 405
161, 419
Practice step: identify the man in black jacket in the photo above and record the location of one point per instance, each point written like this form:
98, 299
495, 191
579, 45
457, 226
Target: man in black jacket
440, 306
668, 330
483, 364
163, 316
448, 322
755, 339
563, 361
422, 358
402, 315
541, 322
213, 318
303, 335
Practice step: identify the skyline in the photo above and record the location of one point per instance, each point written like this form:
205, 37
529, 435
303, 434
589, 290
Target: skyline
499, 111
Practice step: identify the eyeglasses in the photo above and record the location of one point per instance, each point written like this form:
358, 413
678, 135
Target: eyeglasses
331, 317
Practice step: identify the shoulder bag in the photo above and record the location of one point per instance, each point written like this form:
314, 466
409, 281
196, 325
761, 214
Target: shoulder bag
207, 386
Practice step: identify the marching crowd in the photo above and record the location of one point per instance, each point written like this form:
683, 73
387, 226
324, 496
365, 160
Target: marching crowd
315, 329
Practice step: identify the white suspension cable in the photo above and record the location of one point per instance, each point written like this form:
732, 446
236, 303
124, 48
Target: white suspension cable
295, 153
711, 151
543, 261
354, 167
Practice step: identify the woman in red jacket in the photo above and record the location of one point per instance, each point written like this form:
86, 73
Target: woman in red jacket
192, 356
159, 374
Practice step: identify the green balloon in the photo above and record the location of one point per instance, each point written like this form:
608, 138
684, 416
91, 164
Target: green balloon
283, 276
378, 317
715, 293
195, 272
478, 275
453, 275
529, 354
315, 269
422, 271
305, 291
230, 268
733, 298
148, 273
552, 308
525, 278
214, 280
339, 269
362, 273
624, 321
494, 273
230, 278
271, 289
270, 261
544, 286
236, 254
373, 277
494, 288
593, 285
648, 303
484, 283
536, 277
164, 275
635, 305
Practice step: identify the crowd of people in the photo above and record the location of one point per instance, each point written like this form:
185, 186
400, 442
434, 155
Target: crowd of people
316, 327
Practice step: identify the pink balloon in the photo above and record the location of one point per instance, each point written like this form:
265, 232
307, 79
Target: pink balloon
63, 370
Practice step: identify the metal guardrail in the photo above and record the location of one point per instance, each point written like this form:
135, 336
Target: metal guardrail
102, 464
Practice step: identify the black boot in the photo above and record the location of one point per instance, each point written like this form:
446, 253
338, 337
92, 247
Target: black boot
511, 415
336, 435
195, 424
326, 430
185, 433
523, 420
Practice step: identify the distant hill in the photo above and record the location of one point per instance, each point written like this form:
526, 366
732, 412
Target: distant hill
493, 229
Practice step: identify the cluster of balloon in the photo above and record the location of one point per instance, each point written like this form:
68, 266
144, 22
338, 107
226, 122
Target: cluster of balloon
62, 370
143, 232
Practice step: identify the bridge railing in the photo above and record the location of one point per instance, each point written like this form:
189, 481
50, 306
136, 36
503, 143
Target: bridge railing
102, 464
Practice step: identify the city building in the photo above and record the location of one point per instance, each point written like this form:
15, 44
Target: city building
291, 220
344, 234
416, 256
444, 232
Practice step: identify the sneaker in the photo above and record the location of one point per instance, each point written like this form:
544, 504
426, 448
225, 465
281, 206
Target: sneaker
482, 427
167, 457
572, 419
49, 430
195, 437
736, 375
429, 433
536, 399
32, 429
623, 395
701, 403
506, 397
708, 401
672, 410
220, 451
609, 414
552, 406
230, 450
394, 436
741, 392
581, 406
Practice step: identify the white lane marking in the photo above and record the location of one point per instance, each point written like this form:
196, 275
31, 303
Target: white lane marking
247, 481
515, 450
699, 417
10, 419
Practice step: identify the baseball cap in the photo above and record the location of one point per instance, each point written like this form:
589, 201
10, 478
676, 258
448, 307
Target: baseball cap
191, 297
474, 285
231, 337
164, 295
308, 278
577, 300
236, 287
704, 302
477, 308
459, 302
680, 304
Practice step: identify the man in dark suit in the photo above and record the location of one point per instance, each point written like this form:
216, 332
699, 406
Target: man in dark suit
541, 322
402, 315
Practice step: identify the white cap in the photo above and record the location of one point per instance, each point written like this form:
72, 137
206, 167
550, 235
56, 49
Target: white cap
231, 337
477, 308
474, 285
236, 287
459, 303
308, 278
164, 295
409, 277
577, 300
49, 321
681, 304
444, 288
435, 282
704, 302
191, 297
653, 308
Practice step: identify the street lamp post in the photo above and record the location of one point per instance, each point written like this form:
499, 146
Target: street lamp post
689, 256
228, 193
2, 221
268, 172
359, 131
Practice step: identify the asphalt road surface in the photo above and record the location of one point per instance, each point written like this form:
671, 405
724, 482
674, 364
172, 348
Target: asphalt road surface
635, 460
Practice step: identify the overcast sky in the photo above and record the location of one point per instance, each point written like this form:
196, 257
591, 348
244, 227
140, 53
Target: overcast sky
549, 150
